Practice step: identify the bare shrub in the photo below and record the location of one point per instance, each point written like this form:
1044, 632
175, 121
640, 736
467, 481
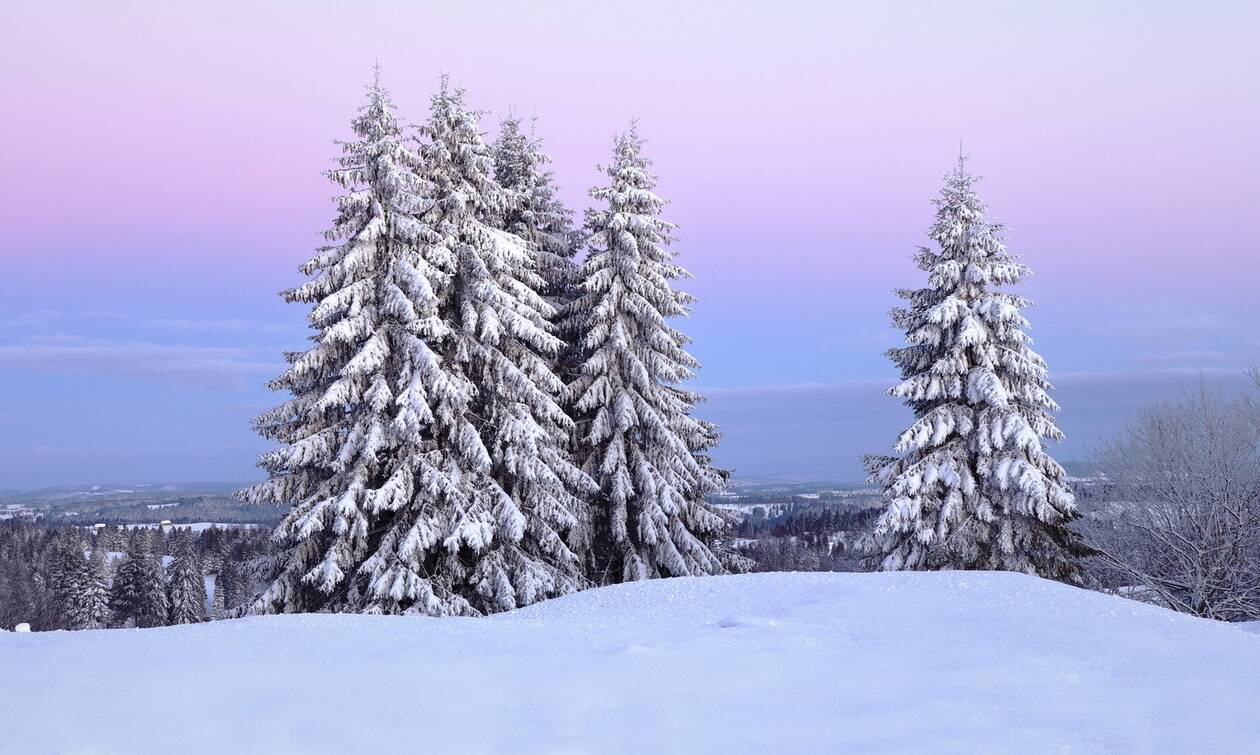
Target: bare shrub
1180, 522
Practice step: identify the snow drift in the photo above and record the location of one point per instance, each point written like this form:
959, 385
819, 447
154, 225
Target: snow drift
947, 661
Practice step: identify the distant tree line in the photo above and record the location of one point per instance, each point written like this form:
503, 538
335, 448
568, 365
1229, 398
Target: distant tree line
805, 538
185, 510
62, 577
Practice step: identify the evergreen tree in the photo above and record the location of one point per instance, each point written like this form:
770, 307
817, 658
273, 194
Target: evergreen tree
974, 487
186, 591
68, 582
78, 586
637, 437
532, 211
227, 586
123, 591
422, 459
218, 549
138, 595
507, 535
357, 437
110, 538
94, 603
218, 608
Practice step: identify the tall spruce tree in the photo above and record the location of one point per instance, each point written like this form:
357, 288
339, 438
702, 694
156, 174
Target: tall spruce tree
423, 456
372, 403
93, 605
229, 587
637, 437
973, 487
78, 586
510, 534
68, 582
532, 210
218, 602
138, 594
186, 587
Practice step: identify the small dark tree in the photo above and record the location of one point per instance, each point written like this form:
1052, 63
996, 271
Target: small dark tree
187, 588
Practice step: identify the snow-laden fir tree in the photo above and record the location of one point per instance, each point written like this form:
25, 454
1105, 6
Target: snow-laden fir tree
218, 603
636, 434
371, 401
186, 587
230, 588
973, 486
507, 536
93, 604
532, 210
138, 595
421, 453
68, 582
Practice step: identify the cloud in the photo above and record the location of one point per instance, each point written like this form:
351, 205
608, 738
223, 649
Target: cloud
1157, 326
1191, 358
206, 367
47, 318
821, 430
792, 389
1152, 376
884, 338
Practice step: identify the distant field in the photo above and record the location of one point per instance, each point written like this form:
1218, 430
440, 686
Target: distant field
182, 503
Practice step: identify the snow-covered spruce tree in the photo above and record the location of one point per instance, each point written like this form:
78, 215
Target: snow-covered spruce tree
229, 591
418, 452
973, 487
186, 588
123, 591
218, 601
511, 531
68, 582
94, 603
138, 594
79, 587
370, 398
532, 211
636, 435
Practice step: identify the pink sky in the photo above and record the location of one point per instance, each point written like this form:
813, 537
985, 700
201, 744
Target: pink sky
1111, 134
163, 162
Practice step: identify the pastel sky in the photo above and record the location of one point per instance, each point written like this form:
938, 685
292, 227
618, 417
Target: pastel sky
160, 180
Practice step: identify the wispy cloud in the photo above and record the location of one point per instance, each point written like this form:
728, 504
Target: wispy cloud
48, 319
877, 338
1163, 375
791, 389
1193, 358
822, 429
208, 367
1156, 325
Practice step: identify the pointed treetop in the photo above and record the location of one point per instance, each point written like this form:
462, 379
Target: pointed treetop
444, 87
961, 171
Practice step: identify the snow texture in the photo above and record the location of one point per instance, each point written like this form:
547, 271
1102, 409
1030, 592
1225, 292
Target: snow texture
883, 662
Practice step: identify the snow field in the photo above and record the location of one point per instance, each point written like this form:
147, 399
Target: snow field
941, 662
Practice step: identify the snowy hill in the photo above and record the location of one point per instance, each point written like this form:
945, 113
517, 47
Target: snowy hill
756, 663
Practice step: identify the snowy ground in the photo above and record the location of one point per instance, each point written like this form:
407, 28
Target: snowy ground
955, 662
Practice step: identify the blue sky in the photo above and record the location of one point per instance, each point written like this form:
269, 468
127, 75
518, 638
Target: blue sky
163, 182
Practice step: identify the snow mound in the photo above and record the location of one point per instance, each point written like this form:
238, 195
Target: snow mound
953, 662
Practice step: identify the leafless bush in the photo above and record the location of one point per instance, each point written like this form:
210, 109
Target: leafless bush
1181, 521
